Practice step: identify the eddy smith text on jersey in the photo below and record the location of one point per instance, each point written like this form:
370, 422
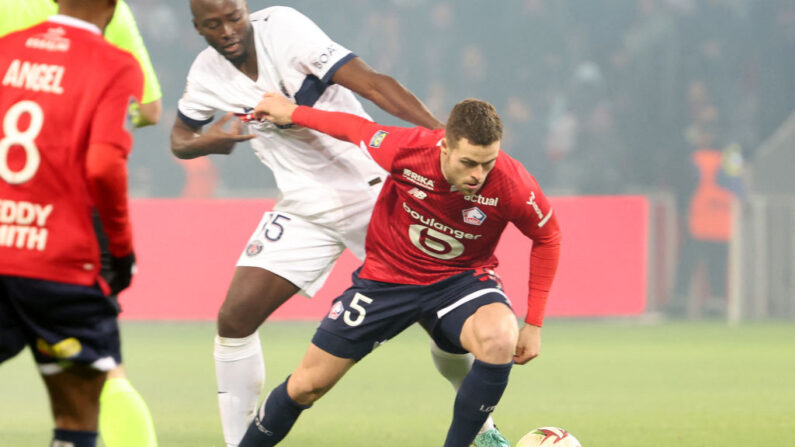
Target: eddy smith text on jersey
22, 224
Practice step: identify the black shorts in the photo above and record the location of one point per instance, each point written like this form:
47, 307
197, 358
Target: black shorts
371, 312
62, 323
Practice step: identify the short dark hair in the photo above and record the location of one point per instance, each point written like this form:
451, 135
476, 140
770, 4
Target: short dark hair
475, 120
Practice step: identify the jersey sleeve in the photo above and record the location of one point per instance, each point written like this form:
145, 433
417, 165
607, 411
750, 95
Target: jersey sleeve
534, 217
15, 16
193, 106
380, 142
123, 32
108, 124
306, 47
109, 145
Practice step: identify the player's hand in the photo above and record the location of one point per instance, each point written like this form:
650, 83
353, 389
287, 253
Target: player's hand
222, 140
275, 108
134, 113
529, 345
121, 272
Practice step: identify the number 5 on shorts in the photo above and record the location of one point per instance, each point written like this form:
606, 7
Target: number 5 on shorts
362, 312
271, 234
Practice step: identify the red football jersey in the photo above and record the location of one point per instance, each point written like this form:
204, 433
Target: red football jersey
63, 89
422, 231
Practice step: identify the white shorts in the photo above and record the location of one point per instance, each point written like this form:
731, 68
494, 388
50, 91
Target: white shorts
301, 251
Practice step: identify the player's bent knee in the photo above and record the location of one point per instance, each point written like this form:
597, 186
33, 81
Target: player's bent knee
497, 346
252, 297
240, 315
231, 326
494, 336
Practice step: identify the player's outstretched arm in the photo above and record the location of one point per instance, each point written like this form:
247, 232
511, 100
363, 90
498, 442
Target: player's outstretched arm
386, 92
191, 142
343, 126
279, 110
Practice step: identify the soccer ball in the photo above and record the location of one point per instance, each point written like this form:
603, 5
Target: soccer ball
548, 437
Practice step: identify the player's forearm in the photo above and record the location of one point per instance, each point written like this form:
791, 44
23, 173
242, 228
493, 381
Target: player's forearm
187, 142
391, 96
150, 113
106, 170
340, 125
544, 259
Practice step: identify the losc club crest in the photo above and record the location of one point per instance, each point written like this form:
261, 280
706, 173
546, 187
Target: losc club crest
474, 216
254, 248
336, 310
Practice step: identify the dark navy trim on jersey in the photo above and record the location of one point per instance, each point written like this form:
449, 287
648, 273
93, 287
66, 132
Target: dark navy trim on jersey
311, 90
330, 73
192, 122
313, 87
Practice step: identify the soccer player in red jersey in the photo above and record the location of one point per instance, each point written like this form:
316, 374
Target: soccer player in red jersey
63, 150
430, 256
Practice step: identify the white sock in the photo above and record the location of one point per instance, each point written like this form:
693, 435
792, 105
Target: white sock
240, 373
454, 368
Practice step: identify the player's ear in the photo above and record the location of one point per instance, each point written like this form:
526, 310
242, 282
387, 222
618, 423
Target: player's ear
444, 146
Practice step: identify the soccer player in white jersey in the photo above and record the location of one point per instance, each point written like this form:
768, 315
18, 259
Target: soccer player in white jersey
328, 187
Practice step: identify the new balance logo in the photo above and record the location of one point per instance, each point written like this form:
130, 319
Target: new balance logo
420, 195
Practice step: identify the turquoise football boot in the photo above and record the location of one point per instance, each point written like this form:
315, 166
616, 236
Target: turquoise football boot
491, 438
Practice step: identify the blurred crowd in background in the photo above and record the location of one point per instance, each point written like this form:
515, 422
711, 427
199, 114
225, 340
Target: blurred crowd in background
598, 97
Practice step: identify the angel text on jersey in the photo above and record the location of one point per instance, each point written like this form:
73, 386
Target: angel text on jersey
35, 77
417, 179
21, 224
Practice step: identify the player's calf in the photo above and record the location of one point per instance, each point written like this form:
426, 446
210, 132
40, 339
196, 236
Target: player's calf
476, 399
273, 421
318, 372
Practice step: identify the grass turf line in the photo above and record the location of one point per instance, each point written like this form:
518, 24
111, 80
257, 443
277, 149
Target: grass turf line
688, 384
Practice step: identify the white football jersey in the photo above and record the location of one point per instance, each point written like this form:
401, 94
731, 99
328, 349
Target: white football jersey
319, 177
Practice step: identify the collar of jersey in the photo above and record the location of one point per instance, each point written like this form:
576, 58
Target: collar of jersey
75, 22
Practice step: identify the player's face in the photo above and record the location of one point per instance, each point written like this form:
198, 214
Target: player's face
466, 165
225, 26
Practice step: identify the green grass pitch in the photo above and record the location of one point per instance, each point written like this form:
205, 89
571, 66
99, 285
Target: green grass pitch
610, 384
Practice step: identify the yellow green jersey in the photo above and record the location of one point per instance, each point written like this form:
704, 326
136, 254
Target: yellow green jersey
121, 31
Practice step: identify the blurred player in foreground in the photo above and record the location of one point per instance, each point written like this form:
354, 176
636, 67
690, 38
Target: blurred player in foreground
430, 255
63, 151
124, 417
121, 31
327, 187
